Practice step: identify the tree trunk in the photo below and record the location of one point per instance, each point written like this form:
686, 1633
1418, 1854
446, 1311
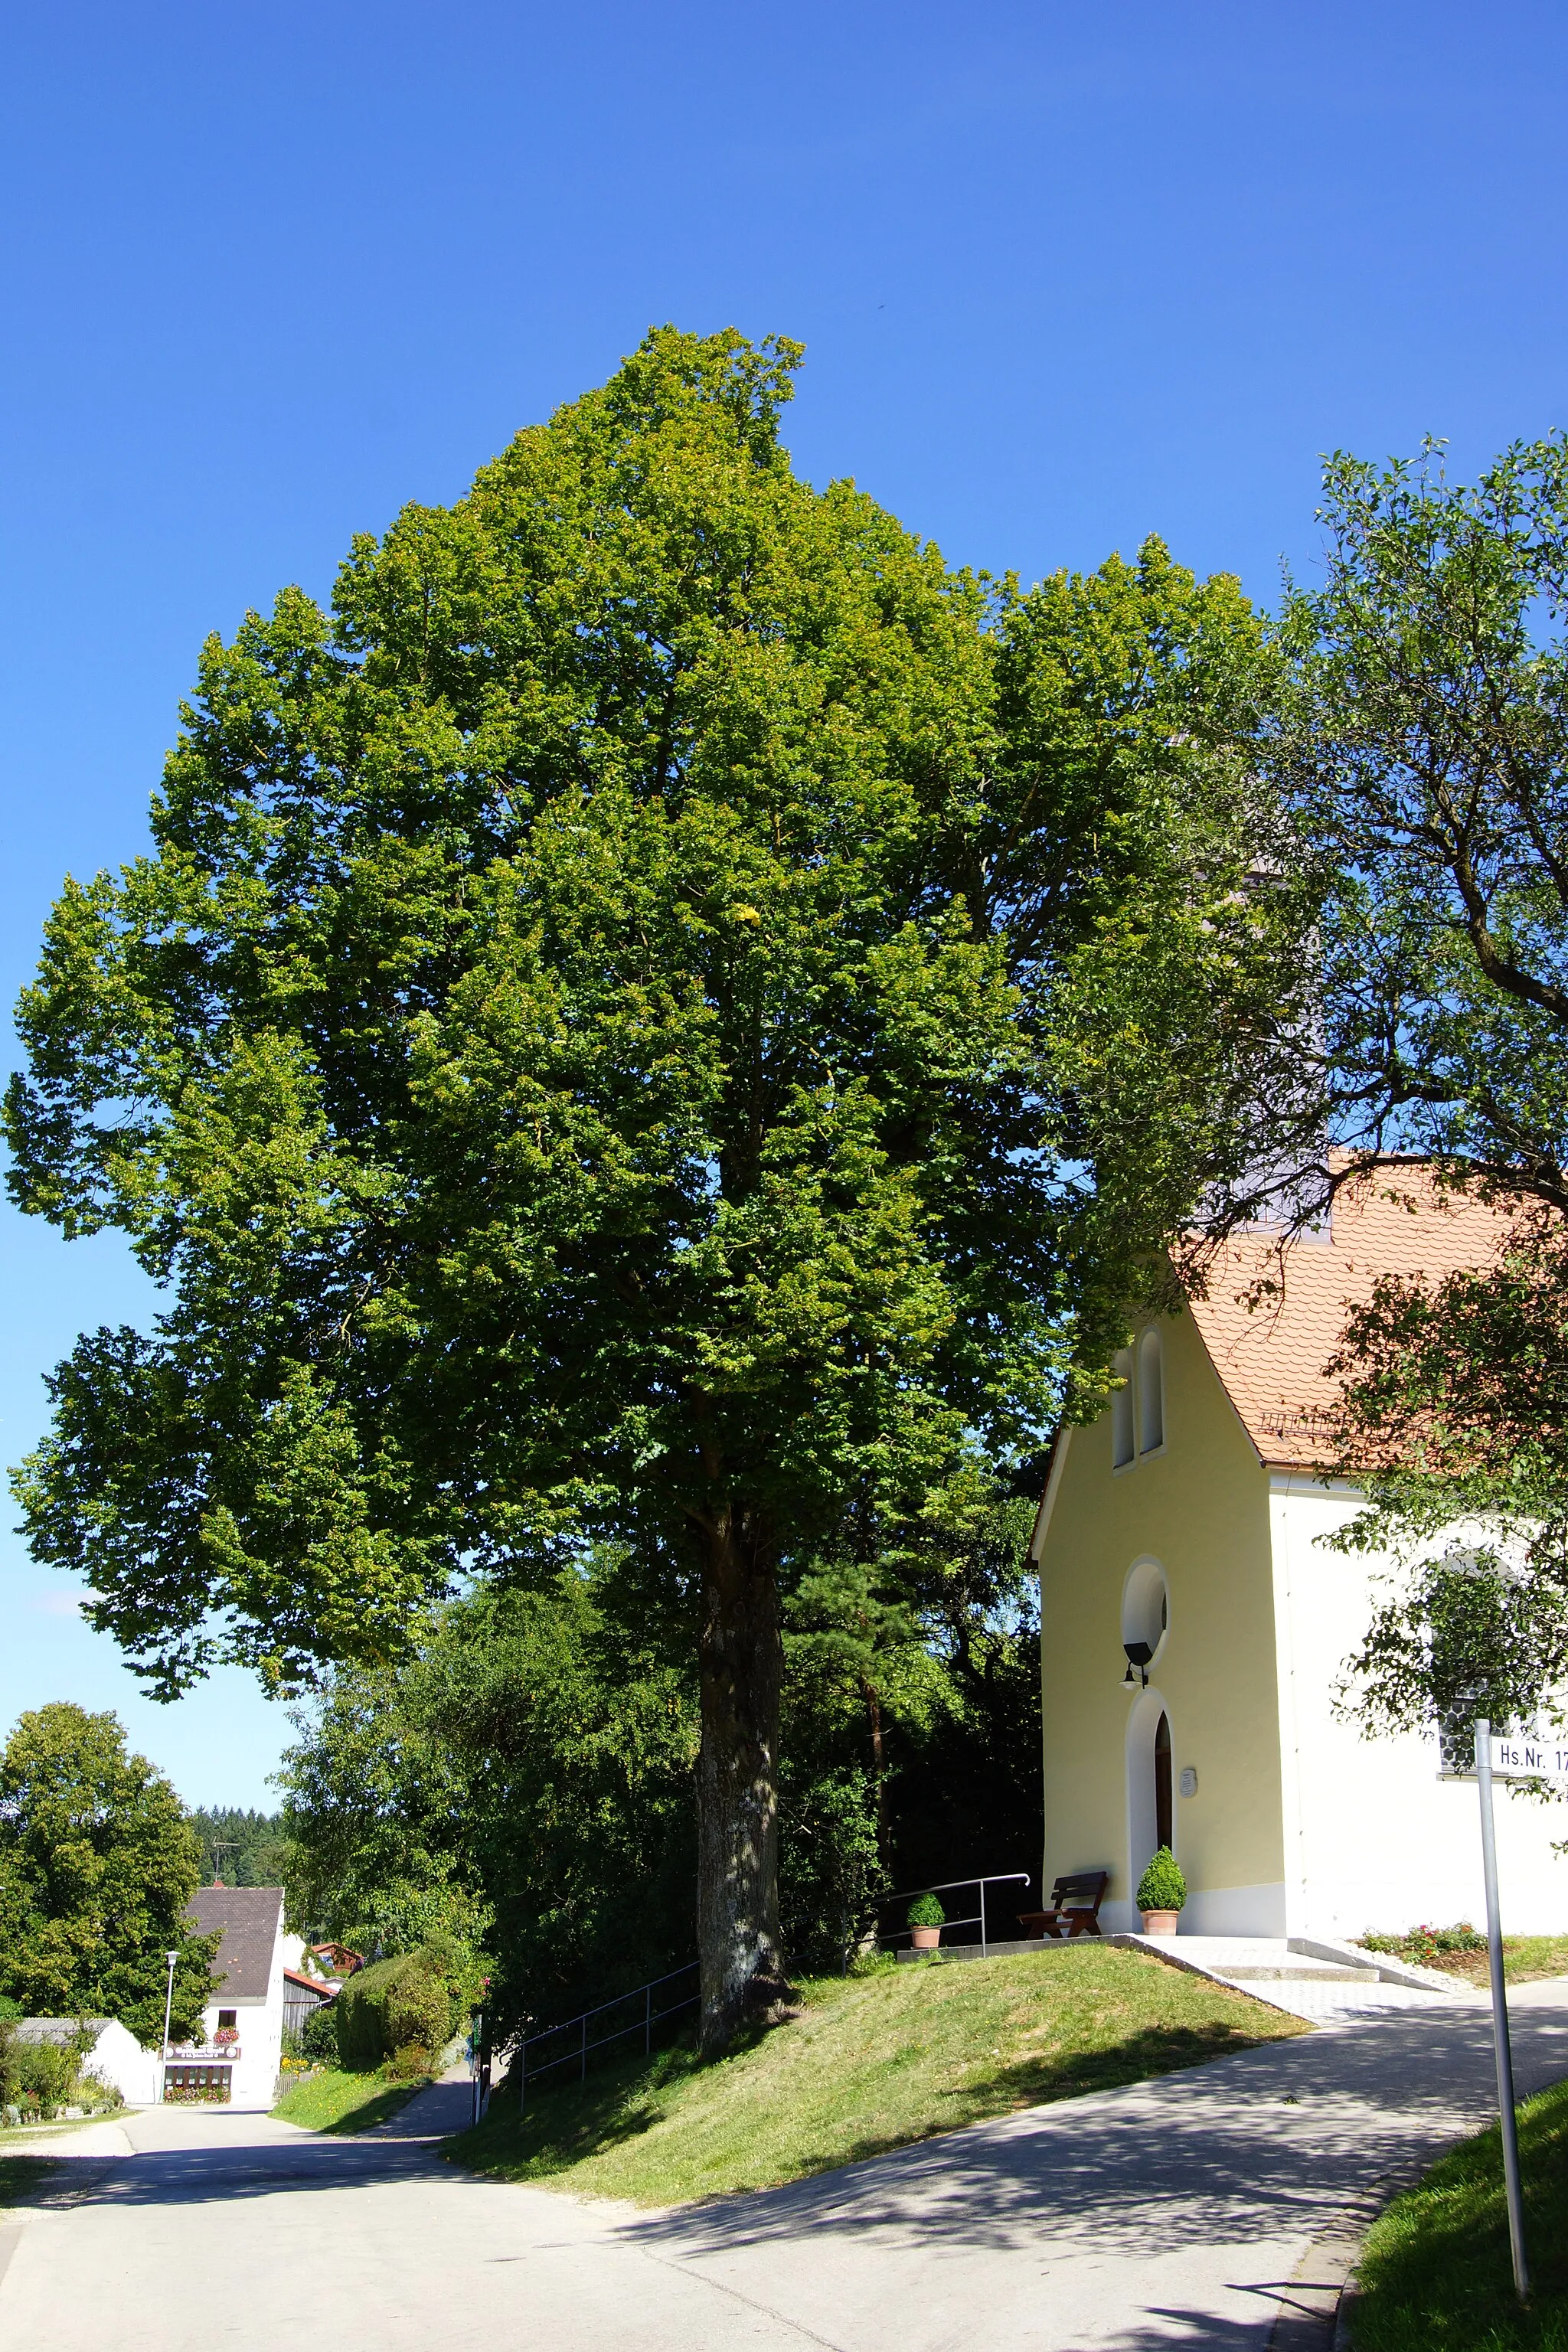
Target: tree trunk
878, 1771
739, 1667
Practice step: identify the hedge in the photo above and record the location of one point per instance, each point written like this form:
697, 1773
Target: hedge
393, 2008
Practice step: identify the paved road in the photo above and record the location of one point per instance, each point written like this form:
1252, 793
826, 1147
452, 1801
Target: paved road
1194, 2210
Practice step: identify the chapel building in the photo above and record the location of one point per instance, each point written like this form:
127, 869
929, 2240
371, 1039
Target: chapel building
1196, 1627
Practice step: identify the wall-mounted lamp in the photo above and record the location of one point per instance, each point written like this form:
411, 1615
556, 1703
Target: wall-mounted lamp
1137, 1654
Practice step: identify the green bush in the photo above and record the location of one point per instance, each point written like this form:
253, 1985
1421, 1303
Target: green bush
41, 2077
419, 2011
925, 1911
1161, 1887
394, 2008
319, 2036
1425, 1945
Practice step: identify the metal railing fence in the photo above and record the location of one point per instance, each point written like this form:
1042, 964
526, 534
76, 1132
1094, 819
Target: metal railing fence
581, 2043
945, 1887
580, 2050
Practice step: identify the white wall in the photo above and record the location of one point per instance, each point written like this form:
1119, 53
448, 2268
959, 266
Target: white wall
118, 2059
261, 2027
1373, 1838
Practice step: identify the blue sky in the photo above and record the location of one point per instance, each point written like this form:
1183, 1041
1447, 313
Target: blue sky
1066, 276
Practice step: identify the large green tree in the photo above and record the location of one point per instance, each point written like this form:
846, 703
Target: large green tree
97, 1864
662, 1018
1421, 747
518, 1780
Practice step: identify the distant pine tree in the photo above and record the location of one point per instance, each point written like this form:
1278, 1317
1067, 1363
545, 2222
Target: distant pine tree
241, 1847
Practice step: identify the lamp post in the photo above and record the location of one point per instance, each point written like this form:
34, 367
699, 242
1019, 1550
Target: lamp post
168, 2010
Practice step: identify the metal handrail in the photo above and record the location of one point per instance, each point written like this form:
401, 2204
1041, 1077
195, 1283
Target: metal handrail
652, 2017
645, 2025
945, 1887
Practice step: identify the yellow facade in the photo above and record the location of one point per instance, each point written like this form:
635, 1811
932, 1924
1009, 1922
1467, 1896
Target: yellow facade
1196, 1503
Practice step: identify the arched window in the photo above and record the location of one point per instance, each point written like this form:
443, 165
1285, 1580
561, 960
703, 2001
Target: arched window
1151, 1392
1121, 1409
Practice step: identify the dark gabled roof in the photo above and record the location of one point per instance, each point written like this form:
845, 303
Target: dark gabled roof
248, 1918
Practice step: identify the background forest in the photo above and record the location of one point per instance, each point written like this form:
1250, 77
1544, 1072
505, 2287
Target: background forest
242, 1847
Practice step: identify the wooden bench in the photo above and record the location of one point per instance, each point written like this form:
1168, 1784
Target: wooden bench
1075, 1907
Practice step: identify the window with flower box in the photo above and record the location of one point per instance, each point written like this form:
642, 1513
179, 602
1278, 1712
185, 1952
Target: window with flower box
197, 2085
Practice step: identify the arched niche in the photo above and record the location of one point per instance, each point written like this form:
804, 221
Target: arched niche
1146, 1608
1151, 1391
1123, 1440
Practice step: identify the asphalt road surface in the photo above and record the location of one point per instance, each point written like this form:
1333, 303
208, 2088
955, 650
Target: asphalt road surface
1215, 2207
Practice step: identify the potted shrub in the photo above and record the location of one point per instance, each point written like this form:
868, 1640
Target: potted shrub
1162, 1891
926, 1916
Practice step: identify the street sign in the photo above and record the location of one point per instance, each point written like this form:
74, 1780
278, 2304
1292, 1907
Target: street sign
1528, 1759
1512, 1759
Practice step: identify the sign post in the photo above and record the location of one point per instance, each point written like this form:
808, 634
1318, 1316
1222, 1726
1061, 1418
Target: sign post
1506, 2117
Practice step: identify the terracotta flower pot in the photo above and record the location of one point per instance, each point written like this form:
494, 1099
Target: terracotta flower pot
1160, 1923
926, 1939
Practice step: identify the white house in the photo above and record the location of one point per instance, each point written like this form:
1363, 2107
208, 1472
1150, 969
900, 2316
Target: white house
236, 2063
1194, 1626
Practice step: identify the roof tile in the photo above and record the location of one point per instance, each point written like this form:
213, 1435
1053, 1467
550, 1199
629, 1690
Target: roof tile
1270, 1355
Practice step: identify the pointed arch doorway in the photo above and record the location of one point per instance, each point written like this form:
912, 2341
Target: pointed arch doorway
1151, 1782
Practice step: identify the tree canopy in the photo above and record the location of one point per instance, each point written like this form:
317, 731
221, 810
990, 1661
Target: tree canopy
98, 1865
664, 1018
1421, 747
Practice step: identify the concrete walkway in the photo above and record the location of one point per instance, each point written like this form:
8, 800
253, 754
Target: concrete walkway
1199, 2210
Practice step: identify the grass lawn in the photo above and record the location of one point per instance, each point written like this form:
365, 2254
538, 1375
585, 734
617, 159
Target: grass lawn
20, 2174
17, 2136
872, 2063
1435, 2276
328, 2100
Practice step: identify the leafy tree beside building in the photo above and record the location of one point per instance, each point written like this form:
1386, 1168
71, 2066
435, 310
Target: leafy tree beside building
665, 1020
1419, 747
97, 1864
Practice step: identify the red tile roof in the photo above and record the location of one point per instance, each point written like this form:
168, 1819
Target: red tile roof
1270, 1356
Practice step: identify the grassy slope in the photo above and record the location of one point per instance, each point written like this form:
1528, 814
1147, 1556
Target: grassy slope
1435, 2276
871, 2065
1524, 1959
331, 2101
